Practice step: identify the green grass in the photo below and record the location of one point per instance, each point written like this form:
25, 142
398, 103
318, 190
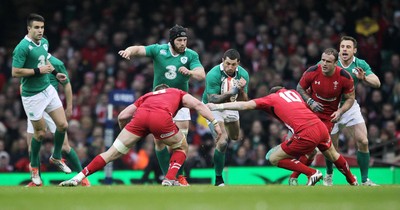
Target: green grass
202, 197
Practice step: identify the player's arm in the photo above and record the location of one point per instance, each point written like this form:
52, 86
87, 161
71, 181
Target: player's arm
348, 103
242, 94
193, 103
241, 105
215, 98
371, 79
126, 115
24, 72
197, 73
133, 51
68, 99
315, 106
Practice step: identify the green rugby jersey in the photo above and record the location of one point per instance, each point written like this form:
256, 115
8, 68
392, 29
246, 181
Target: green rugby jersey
29, 55
355, 63
215, 77
166, 65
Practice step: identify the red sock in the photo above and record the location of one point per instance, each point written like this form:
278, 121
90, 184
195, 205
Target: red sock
342, 165
176, 161
295, 165
96, 164
303, 159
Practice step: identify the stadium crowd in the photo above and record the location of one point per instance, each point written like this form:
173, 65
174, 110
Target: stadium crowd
278, 40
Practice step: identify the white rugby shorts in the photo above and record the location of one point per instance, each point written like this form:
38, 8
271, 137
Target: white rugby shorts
353, 116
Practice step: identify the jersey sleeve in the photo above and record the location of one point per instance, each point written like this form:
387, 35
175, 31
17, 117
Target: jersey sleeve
19, 56
348, 86
138, 102
364, 65
306, 80
213, 83
247, 78
263, 103
195, 62
151, 50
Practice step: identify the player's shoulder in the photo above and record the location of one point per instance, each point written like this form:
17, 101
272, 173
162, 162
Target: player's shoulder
343, 72
242, 70
216, 70
312, 69
191, 52
23, 44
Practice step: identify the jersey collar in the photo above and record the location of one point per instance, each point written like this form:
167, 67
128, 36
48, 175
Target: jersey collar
30, 40
354, 60
221, 66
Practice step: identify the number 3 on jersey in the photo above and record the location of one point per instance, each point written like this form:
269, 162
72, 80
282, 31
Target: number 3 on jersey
171, 72
290, 96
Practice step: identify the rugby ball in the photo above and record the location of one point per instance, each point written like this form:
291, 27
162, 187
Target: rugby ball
227, 84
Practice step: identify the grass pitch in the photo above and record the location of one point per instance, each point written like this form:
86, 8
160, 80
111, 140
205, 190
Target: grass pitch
202, 197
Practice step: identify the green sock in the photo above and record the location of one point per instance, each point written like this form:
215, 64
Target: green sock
58, 142
163, 157
73, 158
34, 156
363, 163
329, 166
219, 162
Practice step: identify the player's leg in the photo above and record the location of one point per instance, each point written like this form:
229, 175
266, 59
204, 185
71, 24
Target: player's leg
341, 164
220, 148
179, 147
125, 140
359, 133
34, 108
278, 157
306, 160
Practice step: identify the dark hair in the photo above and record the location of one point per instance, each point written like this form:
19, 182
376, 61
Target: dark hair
275, 89
232, 54
349, 38
177, 31
332, 51
34, 17
160, 87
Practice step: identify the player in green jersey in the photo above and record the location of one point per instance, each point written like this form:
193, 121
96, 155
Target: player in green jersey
30, 63
67, 150
353, 119
217, 91
174, 64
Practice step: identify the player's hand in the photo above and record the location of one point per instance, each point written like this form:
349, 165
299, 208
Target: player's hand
315, 106
125, 54
68, 112
61, 77
336, 116
46, 69
360, 73
241, 83
183, 70
211, 106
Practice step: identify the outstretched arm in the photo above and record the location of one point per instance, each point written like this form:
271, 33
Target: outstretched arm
241, 105
191, 102
133, 51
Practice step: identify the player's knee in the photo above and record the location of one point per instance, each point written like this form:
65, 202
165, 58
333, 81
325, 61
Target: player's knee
120, 147
222, 145
312, 154
39, 134
62, 127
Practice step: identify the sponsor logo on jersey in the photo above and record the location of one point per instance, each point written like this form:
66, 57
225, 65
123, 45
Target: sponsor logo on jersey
184, 60
163, 52
46, 47
30, 47
317, 82
165, 135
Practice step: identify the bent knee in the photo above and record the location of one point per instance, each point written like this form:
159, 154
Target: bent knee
63, 126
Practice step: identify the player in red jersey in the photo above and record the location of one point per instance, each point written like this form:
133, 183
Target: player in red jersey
308, 131
323, 86
151, 113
